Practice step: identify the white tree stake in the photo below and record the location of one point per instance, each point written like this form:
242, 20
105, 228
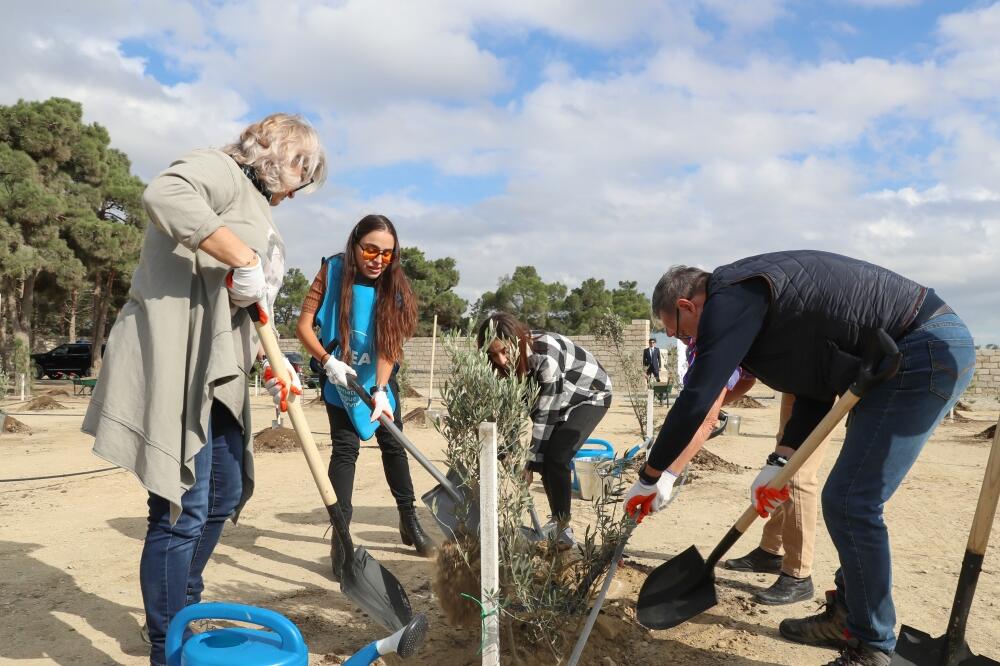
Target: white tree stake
649, 414
434, 337
489, 557
256, 385
22, 387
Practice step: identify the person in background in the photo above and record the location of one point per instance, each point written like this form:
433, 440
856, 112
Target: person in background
651, 361
172, 405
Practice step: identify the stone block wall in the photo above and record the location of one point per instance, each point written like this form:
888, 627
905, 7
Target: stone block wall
987, 379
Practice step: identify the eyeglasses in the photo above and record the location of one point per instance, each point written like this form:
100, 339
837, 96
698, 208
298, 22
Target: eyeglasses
302, 186
369, 252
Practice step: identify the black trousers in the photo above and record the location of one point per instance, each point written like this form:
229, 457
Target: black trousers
558, 451
343, 460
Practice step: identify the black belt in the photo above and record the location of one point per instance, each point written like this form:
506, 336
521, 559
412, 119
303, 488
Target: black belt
924, 315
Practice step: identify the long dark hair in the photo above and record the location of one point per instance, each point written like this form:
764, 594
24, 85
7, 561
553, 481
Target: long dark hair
507, 327
395, 307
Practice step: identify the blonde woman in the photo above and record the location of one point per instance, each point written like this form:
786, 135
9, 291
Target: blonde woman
172, 403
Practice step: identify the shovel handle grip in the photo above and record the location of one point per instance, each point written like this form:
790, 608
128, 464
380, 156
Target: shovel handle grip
388, 424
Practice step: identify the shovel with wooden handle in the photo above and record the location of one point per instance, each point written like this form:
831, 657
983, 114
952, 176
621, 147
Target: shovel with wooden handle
362, 579
920, 649
684, 586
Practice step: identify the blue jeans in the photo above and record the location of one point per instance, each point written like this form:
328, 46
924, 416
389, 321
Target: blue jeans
174, 556
885, 433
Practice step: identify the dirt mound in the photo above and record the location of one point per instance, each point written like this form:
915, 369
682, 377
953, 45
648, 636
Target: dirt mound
959, 418
275, 440
57, 391
415, 415
12, 425
989, 433
707, 462
748, 403
409, 392
43, 402
964, 407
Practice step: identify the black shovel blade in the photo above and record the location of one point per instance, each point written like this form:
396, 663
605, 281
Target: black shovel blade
676, 591
448, 511
370, 585
917, 648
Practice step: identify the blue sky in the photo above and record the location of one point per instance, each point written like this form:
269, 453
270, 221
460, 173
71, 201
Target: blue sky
584, 140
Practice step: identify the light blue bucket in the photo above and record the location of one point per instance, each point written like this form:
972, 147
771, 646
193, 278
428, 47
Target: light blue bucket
592, 450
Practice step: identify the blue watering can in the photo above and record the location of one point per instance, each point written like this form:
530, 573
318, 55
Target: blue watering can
281, 646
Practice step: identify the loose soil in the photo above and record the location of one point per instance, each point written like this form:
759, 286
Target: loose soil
707, 462
275, 440
989, 433
57, 391
69, 585
747, 402
12, 425
43, 402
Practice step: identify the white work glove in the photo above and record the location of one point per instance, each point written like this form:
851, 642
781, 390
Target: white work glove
643, 499
765, 499
277, 388
381, 399
337, 371
247, 285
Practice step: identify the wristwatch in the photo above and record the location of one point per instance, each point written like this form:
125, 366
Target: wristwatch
776, 460
380, 388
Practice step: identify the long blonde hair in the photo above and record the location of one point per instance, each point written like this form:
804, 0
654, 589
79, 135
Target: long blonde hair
275, 147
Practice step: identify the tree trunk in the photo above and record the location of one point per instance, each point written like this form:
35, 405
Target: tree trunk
74, 300
5, 290
22, 323
102, 299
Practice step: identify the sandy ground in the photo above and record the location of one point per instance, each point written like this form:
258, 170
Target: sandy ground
69, 550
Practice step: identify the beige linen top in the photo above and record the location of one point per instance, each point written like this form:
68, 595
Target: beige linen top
177, 344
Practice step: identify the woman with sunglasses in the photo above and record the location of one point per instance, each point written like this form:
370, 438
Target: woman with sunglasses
365, 310
574, 395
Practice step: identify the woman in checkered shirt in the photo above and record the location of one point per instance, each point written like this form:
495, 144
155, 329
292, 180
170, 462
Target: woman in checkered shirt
574, 395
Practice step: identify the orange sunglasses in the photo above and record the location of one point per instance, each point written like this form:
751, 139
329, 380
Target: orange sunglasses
369, 252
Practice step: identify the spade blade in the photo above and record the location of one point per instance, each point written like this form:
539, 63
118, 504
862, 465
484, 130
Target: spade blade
676, 591
918, 648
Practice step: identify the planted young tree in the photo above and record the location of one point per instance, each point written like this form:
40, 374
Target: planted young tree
544, 591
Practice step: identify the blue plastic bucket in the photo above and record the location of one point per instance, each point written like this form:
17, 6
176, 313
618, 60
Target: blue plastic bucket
281, 646
592, 449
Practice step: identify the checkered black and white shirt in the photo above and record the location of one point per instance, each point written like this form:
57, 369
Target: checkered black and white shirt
568, 376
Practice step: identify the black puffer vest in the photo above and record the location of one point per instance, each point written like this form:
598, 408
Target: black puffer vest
823, 306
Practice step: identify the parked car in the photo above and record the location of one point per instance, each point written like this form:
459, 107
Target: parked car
70, 359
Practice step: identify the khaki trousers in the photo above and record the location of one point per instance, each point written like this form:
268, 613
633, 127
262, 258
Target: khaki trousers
791, 529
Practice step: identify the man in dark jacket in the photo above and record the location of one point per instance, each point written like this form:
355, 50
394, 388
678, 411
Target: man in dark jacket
651, 360
799, 321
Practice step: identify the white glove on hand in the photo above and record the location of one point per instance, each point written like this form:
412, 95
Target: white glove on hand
247, 285
382, 406
337, 371
765, 499
277, 388
646, 499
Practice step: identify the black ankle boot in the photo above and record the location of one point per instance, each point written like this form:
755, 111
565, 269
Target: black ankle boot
412, 533
786, 590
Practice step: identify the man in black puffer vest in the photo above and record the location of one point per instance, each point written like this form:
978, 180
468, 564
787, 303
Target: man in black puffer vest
799, 321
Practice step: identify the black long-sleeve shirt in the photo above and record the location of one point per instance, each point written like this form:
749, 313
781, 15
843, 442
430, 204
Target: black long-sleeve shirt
732, 318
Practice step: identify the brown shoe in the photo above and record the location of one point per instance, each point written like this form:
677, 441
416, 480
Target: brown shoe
825, 629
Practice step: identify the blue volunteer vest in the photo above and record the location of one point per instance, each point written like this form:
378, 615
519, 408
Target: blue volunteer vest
363, 351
